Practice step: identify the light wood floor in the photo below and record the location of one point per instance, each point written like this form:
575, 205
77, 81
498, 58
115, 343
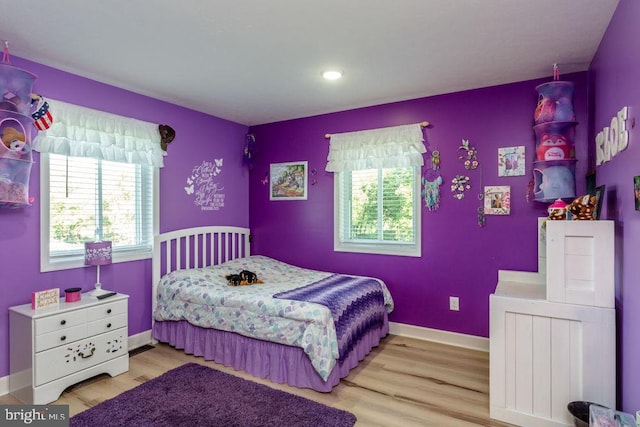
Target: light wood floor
403, 382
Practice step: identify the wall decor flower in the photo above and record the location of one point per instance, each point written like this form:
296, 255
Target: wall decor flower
459, 185
469, 154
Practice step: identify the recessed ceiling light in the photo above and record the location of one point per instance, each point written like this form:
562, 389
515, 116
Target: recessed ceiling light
332, 74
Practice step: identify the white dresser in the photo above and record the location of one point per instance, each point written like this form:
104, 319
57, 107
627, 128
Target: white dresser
56, 347
552, 333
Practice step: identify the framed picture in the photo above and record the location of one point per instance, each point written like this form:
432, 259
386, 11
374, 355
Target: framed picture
636, 191
288, 181
599, 198
511, 161
497, 200
591, 183
46, 298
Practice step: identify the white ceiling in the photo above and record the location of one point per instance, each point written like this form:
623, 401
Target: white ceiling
256, 62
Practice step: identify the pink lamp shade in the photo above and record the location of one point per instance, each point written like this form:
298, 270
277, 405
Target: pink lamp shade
97, 253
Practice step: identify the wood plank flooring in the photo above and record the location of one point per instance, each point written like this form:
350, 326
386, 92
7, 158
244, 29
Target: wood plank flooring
403, 382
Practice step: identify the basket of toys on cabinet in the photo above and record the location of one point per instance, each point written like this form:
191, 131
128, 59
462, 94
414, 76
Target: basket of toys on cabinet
16, 126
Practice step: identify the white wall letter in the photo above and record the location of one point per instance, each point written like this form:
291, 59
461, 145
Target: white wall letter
599, 148
623, 138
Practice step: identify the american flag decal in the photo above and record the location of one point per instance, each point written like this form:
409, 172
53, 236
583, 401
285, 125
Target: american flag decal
42, 116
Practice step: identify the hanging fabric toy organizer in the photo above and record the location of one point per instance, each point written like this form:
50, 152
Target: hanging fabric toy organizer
16, 125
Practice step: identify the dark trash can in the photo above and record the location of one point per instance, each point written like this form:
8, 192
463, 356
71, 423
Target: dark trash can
580, 412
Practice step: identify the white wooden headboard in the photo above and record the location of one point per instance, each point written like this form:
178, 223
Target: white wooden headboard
196, 248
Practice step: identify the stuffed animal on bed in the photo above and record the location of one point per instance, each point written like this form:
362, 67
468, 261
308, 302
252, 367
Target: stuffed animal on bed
245, 277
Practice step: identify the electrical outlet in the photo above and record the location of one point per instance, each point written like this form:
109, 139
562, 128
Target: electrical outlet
454, 303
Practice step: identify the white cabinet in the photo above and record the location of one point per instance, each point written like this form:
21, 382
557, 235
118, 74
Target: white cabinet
580, 262
544, 352
54, 348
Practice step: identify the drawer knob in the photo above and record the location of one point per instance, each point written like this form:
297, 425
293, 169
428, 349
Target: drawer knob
108, 325
62, 338
63, 322
109, 311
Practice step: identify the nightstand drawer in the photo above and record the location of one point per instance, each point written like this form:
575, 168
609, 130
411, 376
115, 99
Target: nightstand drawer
63, 336
74, 357
105, 310
107, 324
60, 321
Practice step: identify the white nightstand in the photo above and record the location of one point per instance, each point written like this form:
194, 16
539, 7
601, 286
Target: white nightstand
54, 348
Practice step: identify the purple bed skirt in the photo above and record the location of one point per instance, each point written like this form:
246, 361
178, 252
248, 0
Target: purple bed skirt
280, 363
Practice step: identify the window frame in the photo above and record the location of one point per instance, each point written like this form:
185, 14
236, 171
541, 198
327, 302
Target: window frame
75, 259
413, 249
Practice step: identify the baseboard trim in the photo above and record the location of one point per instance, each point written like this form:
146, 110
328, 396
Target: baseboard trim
445, 337
138, 340
418, 332
4, 385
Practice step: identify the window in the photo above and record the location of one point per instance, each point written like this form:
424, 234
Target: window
377, 211
377, 189
84, 199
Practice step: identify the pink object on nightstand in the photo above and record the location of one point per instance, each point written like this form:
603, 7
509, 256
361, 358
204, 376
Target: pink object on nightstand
72, 294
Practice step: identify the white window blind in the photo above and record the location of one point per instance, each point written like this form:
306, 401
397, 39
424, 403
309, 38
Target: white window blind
90, 199
377, 204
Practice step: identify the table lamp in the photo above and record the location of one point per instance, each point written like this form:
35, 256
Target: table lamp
97, 253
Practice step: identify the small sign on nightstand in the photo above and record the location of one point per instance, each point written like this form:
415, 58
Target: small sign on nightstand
46, 298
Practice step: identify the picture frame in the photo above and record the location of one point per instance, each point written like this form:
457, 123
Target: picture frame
636, 191
497, 200
511, 161
46, 298
599, 193
591, 183
288, 181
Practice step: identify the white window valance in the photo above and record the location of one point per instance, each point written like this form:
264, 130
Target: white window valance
84, 132
392, 147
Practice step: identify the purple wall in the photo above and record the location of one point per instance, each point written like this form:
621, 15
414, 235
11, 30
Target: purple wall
615, 84
199, 137
459, 258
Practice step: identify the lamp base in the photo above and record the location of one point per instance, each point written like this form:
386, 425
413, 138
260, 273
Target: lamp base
98, 291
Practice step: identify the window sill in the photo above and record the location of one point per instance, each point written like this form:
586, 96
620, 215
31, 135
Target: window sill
69, 262
379, 249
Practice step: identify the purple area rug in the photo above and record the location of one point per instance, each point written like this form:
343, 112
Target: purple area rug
196, 395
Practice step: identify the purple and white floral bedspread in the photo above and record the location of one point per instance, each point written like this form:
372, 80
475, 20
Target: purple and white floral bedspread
203, 298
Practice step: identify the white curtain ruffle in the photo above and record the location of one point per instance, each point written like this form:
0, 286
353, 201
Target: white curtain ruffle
391, 147
85, 132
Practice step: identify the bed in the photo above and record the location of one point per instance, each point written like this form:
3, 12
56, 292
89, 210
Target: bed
297, 326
